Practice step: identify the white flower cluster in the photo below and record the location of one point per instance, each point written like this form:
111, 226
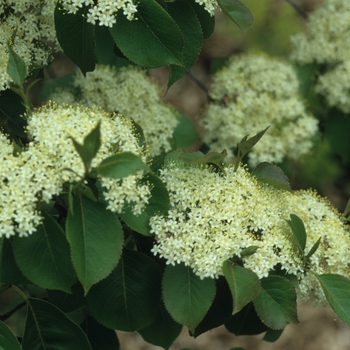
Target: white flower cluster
327, 41
251, 93
104, 12
131, 92
322, 221
215, 217
40, 171
25, 25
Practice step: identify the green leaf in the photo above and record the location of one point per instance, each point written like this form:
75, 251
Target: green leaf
90, 146
128, 298
299, 233
121, 165
246, 322
347, 209
276, 302
182, 156
76, 37
186, 296
185, 134
96, 240
185, 17
249, 250
100, 337
105, 48
16, 68
272, 335
214, 158
152, 40
10, 272
237, 12
220, 310
337, 291
44, 256
163, 330
68, 302
11, 111
337, 131
158, 203
244, 284
272, 175
247, 144
47, 327
8, 340
313, 249
206, 20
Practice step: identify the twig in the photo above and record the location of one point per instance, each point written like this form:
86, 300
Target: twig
298, 9
199, 83
8, 314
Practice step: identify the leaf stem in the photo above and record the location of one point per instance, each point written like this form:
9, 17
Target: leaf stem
298, 9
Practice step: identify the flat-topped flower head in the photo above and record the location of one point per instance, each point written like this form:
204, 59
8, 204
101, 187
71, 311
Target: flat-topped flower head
326, 41
251, 93
131, 92
334, 85
104, 12
50, 160
24, 25
215, 217
322, 221
327, 35
54, 125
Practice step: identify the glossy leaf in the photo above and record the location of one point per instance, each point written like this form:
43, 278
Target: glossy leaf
100, 337
186, 296
8, 340
207, 21
337, 131
92, 143
276, 302
105, 47
272, 175
128, 298
220, 310
337, 291
44, 256
185, 134
244, 284
121, 165
9, 271
247, 144
272, 335
76, 37
11, 111
246, 322
299, 233
163, 330
313, 249
152, 40
16, 68
238, 12
96, 240
47, 327
191, 30
158, 204
68, 302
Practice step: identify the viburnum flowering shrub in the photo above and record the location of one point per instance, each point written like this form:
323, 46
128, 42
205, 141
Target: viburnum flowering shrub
265, 90
109, 222
138, 98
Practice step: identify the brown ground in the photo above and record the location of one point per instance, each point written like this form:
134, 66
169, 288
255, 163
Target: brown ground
319, 329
